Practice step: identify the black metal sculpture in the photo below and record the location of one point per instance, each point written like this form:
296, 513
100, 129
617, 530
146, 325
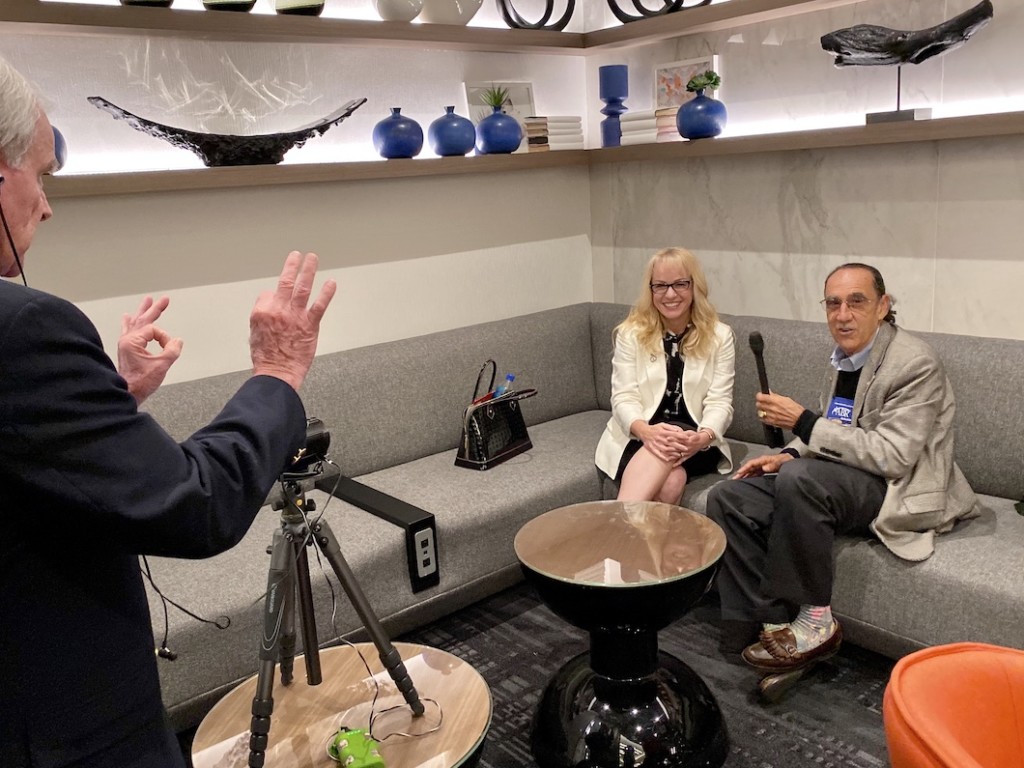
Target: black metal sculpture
219, 149
668, 6
515, 21
872, 46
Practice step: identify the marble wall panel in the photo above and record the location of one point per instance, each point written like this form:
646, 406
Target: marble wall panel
770, 225
979, 264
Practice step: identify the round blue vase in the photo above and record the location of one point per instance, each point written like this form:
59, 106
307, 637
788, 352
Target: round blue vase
701, 117
451, 134
60, 148
498, 134
397, 136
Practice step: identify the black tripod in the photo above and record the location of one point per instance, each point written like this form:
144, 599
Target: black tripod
288, 578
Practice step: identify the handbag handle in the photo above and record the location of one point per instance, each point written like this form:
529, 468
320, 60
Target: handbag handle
494, 372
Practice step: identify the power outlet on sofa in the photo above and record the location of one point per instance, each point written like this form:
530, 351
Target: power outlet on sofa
426, 552
418, 524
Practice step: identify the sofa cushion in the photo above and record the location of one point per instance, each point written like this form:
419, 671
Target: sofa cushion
477, 516
392, 403
970, 589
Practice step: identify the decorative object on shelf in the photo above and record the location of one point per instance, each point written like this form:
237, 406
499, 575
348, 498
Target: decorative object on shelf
299, 7
867, 45
546, 133
218, 149
613, 80
702, 117
667, 6
518, 102
454, 12
870, 45
670, 79
451, 134
498, 133
149, 3
60, 148
398, 10
243, 6
397, 136
515, 21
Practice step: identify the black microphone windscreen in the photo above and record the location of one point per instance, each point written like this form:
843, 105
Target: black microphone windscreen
757, 342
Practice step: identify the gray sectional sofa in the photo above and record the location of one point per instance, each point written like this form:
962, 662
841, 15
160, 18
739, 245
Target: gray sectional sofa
394, 413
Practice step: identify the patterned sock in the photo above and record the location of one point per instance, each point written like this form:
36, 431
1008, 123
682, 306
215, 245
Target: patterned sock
812, 626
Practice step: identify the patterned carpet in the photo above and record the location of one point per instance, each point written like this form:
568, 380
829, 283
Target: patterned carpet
831, 719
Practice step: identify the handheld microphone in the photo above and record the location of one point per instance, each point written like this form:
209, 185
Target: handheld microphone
772, 435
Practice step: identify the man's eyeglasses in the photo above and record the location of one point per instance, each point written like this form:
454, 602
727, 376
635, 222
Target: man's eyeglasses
678, 286
858, 302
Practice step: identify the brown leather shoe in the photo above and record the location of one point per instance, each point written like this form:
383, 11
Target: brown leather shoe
776, 652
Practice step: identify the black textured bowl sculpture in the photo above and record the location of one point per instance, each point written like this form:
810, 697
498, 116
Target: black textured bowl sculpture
219, 149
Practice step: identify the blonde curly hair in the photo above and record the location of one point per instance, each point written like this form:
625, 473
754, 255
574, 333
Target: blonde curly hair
646, 322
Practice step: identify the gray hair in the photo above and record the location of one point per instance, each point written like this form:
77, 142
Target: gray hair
19, 112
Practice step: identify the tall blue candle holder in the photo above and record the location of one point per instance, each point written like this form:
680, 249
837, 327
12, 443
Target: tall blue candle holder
614, 88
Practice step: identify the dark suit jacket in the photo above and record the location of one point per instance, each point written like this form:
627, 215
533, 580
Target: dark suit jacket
87, 483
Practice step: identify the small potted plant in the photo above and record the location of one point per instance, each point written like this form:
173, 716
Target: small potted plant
497, 133
702, 117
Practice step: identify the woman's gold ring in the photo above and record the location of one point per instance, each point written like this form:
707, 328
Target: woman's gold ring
761, 414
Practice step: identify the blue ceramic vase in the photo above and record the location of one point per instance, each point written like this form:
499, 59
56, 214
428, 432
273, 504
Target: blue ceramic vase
498, 134
397, 136
451, 134
701, 117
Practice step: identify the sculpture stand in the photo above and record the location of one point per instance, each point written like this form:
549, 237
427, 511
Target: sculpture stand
900, 115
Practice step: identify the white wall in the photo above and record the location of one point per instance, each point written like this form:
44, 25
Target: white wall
410, 256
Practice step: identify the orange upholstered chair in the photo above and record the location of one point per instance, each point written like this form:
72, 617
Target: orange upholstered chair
956, 706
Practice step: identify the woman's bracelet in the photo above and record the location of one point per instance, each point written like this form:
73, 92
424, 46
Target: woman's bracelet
711, 434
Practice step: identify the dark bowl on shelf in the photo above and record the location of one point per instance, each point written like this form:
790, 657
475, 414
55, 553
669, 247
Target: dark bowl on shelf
222, 149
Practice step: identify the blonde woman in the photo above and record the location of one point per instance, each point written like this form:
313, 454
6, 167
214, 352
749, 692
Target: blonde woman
672, 380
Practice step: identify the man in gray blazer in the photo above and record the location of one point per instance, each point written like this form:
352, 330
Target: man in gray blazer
877, 457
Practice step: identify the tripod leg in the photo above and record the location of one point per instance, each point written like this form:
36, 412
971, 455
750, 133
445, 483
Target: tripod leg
309, 637
390, 658
280, 582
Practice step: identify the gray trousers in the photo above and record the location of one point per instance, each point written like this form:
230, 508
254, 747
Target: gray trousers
780, 530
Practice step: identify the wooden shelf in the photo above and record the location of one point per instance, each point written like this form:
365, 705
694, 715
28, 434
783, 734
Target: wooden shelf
33, 16
701, 19
88, 185
973, 127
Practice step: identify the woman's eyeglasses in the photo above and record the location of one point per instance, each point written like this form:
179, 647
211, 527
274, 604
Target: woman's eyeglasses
679, 286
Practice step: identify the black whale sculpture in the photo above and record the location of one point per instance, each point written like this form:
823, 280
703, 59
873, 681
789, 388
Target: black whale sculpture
867, 45
219, 149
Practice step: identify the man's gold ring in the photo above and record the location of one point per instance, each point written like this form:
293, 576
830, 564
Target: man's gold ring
761, 414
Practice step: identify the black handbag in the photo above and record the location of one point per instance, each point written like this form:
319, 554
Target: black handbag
493, 431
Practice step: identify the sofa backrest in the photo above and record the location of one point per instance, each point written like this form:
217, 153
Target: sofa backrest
985, 374
390, 403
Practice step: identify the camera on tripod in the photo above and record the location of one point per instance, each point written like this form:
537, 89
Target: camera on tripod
311, 455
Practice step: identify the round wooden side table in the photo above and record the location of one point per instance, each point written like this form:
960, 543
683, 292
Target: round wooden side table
306, 717
622, 571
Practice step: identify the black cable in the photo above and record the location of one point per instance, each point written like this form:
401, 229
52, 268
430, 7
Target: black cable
10, 239
222, 622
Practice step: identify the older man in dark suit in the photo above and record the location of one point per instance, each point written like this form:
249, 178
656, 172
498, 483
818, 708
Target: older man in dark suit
877, 457
88, 483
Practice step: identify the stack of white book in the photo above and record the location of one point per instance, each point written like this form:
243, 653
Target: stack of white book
545, 133
650, 126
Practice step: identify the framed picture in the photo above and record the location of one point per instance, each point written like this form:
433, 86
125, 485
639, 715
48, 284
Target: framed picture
519, 103
670, 80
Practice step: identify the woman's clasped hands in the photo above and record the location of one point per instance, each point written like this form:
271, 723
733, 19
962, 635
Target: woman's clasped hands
671, 443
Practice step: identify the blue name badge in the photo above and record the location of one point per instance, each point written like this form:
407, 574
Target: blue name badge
841, 410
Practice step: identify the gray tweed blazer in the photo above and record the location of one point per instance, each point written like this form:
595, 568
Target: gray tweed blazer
902, 430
